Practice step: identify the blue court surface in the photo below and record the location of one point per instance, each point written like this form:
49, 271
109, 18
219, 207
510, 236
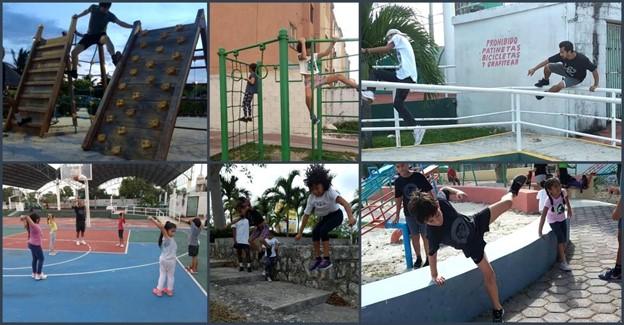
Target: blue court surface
98, 287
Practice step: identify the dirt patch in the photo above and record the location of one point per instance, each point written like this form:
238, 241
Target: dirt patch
222, 314
337, 300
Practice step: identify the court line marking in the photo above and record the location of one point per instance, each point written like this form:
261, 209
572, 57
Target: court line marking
51, 264
191, 276
89, 272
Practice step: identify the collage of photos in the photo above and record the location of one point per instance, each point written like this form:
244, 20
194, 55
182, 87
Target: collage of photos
210, 162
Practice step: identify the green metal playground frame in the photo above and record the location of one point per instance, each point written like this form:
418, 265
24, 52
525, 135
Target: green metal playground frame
282, 78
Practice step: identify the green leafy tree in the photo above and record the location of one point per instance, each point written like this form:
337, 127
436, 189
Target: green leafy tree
20, 59
139, 189
288, 194
66, 192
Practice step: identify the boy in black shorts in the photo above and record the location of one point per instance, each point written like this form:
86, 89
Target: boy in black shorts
81, 222
404, 186
99, 19
447, 226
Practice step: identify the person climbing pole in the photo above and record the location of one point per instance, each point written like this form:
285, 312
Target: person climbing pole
98, 21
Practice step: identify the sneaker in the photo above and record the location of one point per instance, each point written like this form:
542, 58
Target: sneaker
33, 275
542, 82
24, 120
83, 242
368, 95
563, 266
418, 262
610, 275
157, 292
168, 292
325, 264
193, 271
73, 73
117, 244
268, 278
77, 243
249, 269
52, 253
315, 264
243, 119
539, 97
315, 120
40, 277
122, 246
263, 273
426, 263
517, 183
241, 269
419, 134
497, 315
116, 57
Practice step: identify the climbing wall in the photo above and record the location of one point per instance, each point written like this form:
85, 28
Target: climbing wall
40, 83
137, 115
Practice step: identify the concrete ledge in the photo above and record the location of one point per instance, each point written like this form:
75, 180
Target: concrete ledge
525, 202
518, 259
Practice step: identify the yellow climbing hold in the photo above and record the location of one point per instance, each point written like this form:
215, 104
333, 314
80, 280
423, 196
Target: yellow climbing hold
150, 64
115, 150
164, 35
179, 28
110, 118
136, 95
180, 39
122, 86
101, 137
134, 71
171, 71
146, 144
166, 86
143, 33
130, 112
120, 103
135, 58
163, 105
160, 49
143, 44
154, 123
150, 79
122, 130
176, 56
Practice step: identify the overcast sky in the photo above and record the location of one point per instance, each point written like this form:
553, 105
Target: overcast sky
347, 17
345, 180
20, 21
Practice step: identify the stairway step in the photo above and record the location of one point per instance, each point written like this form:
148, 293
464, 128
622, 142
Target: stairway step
35, 96
40, 83
281, 296
231, 276
43, 70
46, 58
50, 45
33, 109
214, 263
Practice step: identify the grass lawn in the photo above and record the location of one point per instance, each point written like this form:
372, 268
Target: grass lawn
381, 140
249, 151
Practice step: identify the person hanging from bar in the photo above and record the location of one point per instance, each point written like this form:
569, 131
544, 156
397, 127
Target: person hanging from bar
310, 65
569, 64
407, 72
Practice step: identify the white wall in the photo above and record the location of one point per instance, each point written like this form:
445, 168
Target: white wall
537, 29
178, 204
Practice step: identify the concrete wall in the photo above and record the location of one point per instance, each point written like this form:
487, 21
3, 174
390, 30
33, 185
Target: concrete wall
518, 260
535, 31
343, 278
299, 116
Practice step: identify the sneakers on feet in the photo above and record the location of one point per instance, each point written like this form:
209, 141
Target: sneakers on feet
542, 82
241, 269
419, 134
315, 264
563, 266
497, 315
426, 263
77, 243
517, 183
268, 278
24, 120
122, 245
83, 242
418, 262
325, 264
610, 275
157, 292
116, 57
368, 95
168, 292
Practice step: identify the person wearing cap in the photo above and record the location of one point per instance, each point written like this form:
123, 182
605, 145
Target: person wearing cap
406, 73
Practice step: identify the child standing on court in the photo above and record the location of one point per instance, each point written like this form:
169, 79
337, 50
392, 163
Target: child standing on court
120, 229
53, 228
555, 212
272, 245
241, 233
35, 237
167, 260
193, 242
250, 90
309, 64
325, 202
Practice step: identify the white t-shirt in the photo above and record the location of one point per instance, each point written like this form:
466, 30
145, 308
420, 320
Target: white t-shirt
242, 231
407, 60
305, 66
168, 249
542, 197
324, 204
272, 243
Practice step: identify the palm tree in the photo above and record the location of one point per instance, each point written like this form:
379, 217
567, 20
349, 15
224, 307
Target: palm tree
230, 193
376, 22
289, 195
20, 60
264, 205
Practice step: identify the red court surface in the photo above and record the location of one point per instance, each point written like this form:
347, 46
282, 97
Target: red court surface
98, 241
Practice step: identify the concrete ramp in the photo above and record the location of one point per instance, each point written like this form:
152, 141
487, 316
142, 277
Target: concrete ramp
231, 276
281, 296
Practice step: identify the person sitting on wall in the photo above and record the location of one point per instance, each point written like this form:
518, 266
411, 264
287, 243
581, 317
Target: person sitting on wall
569, 64
406, 73
98, 21
447, 226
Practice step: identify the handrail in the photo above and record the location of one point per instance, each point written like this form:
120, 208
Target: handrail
449, 89
605, 90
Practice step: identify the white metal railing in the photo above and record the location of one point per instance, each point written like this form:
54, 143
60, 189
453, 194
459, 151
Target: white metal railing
142, 211
515, 112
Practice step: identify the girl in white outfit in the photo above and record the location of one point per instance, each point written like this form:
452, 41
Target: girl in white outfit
168, 248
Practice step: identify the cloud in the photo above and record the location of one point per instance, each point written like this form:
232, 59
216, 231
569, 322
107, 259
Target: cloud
18, 29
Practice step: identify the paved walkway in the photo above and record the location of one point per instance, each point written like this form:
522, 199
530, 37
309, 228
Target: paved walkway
62, 144
541, 146
577, 296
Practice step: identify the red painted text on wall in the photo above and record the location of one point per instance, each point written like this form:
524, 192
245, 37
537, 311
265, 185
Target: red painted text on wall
499, 52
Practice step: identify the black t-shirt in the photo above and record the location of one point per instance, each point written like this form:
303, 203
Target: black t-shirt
252, 88
575, 68
540, 169
405, 186
456, 231
80, 214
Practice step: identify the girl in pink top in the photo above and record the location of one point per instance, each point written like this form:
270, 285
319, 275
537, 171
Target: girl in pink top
554, 211
34, 244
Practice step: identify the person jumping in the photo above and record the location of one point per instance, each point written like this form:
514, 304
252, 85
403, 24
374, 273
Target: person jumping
407, 73
447, 226
98, 21
569, 64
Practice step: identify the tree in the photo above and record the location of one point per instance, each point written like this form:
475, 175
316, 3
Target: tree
289, 195
66, 192
20, 60
7, 192
230, 193
137, 188
48, 197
